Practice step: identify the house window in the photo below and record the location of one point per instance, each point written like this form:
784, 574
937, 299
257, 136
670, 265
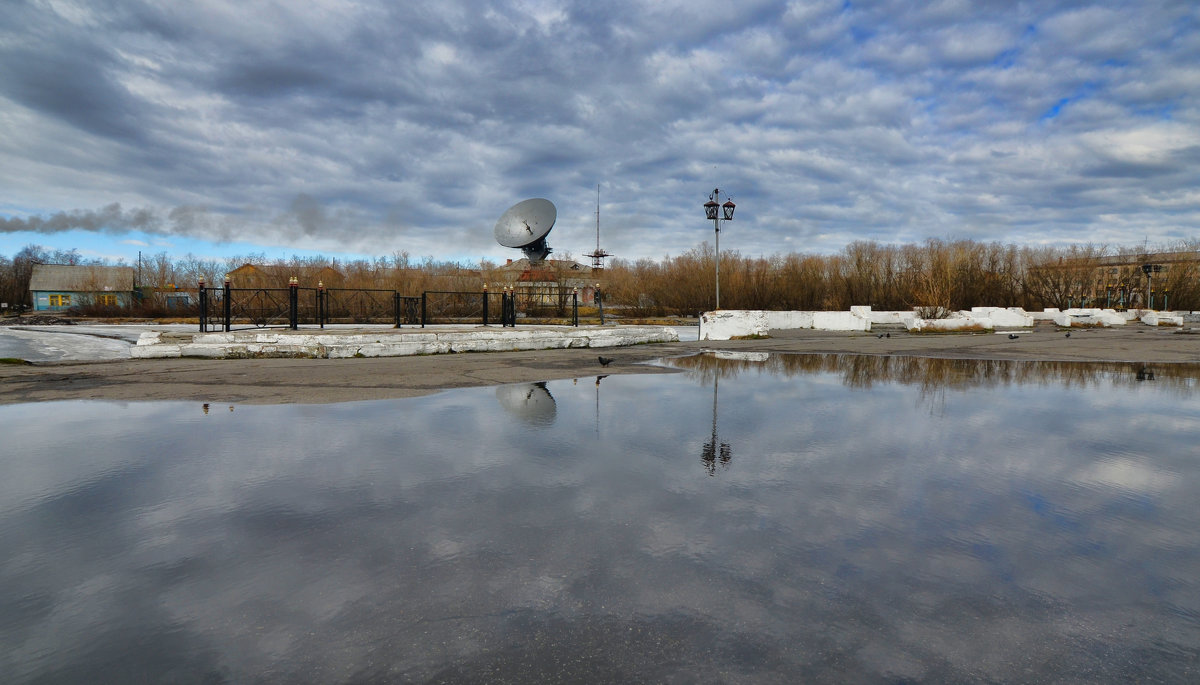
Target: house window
107, 300
60, 300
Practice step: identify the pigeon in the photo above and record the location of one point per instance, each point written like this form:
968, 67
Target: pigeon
888, 335
605, 361
1013, 336
880, 336
1068, 334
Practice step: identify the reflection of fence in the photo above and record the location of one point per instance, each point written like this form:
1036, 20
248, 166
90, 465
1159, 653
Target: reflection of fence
226, 307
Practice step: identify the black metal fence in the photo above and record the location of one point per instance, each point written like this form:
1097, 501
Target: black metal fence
228, 308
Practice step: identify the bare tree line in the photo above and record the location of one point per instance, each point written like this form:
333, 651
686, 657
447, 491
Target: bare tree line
935, 276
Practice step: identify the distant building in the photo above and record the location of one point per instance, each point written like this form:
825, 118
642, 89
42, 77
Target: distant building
278, 276
60, 286
546, 283
1121, 281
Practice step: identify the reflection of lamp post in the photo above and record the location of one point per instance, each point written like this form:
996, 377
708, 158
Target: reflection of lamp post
710, 211
714, 449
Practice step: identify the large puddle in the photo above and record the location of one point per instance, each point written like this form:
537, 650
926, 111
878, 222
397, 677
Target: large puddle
753, 519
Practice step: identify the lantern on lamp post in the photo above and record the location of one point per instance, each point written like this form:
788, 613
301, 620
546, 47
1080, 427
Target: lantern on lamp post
713, 209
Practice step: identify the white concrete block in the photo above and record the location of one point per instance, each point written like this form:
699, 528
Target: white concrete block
159, 351
730, 323
1003, 317
963, 323
781, 321
840, 321
1152, 318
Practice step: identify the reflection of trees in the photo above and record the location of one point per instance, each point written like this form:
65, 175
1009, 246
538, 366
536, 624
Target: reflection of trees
931, 374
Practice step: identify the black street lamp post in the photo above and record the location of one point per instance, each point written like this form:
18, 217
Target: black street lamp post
1150, 270
725, 214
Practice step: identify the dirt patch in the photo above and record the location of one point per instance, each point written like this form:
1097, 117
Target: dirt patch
36, 320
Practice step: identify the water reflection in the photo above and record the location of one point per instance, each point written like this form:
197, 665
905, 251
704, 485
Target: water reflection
1034, 531
532, 403
864, 371
714, 450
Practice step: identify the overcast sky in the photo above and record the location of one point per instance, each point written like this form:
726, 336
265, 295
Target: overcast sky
367, 128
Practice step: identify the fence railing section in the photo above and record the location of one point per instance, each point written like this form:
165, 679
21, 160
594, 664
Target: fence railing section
228, 308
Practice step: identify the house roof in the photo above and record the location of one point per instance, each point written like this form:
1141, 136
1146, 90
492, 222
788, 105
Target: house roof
553, 265
81, 279
280, 273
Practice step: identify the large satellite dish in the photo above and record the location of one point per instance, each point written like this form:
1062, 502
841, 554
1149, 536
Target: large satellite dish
525, 226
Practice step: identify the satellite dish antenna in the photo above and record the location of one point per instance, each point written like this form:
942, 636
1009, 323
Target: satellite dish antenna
525, 226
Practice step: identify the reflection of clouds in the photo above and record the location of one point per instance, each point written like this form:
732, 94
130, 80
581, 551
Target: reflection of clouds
309, 541
1126, 474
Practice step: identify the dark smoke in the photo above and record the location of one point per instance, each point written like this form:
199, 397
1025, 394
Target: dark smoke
183, 220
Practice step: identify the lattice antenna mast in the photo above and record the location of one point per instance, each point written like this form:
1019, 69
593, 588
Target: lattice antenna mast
599, 255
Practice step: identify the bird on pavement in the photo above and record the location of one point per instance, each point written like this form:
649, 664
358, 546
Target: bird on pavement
1013, 336
1068, 334
605, 361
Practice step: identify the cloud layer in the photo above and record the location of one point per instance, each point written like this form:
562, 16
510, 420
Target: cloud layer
376, 127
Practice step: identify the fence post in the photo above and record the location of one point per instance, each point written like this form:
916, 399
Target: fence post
424, 297
396, 307
228, 302
485, 298
321, 303
203, 307
293, 291
600, 304
575, 308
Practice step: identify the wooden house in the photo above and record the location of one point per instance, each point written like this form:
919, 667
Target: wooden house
62, 286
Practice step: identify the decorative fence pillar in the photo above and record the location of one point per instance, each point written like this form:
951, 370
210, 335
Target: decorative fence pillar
321, 303
293, 303
228, 302
203, 292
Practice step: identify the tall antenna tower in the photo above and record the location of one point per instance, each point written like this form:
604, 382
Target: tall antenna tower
599, 255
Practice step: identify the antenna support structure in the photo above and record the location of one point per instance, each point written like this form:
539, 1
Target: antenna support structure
599, 255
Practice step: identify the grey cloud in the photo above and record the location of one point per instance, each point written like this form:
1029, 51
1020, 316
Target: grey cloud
826, 119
